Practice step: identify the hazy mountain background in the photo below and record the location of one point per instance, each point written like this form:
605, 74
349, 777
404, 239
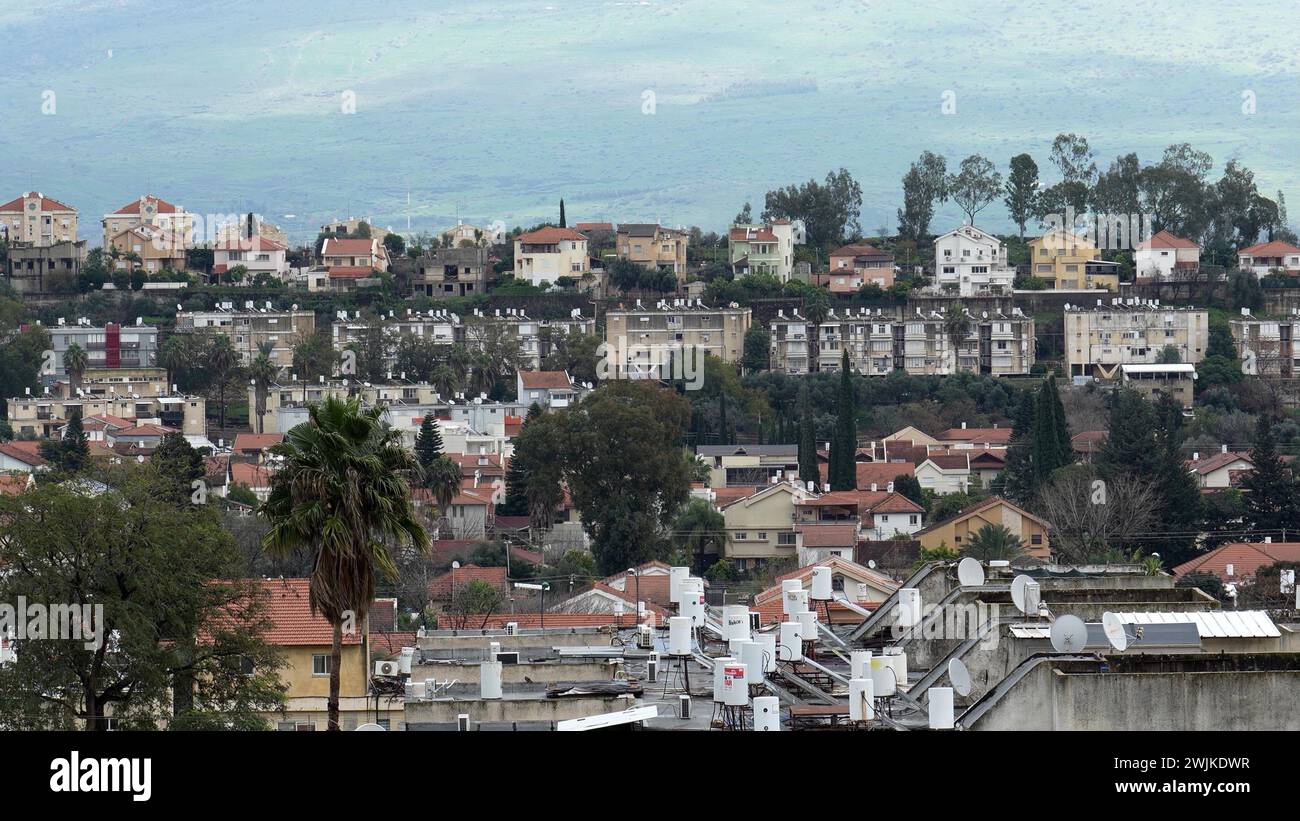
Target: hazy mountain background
494, 110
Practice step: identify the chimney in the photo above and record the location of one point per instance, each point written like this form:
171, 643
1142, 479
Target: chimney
890, 487
1196, 457
1223, 448
873, 487
963, 426
1268, 540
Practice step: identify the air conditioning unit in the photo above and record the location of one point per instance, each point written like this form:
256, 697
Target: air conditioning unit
388, 668
652, 668
683, 707
512, 628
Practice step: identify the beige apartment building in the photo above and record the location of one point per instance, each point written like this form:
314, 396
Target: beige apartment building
43, 416
38, 220
351, 225
1266, 347
146, 383
155, 248
249, 330
761, 527
153, 212
288, 393
653, 246
885, 340
679, 323
1098, 340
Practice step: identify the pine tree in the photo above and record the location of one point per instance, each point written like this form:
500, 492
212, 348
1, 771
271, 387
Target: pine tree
808, 471
428, 442
1272, 494
842, 472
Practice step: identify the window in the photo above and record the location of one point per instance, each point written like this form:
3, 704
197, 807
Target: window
320, 664
1036, 539
762, 536
741, 536
912, 519
785, 539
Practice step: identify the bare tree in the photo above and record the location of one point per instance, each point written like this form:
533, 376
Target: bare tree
1092, 518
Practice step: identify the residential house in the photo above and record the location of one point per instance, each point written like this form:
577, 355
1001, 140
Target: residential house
43, 416
255, 477
792, 337
967, 437
1270, 257
165, 218
258, 255
254, 447
33, 270
749, 465
970, 261
352, 226
760, 527
1220, 470
1236, 563
1069, 262
1165, 257
15, 483
956, 532
856, 583
764, 249
149, 248
450, 272
653, 246
1267, 347
549, 389
1131, 332
462, 235
549, 253
854, 266
948, 473
345, 254
21, 457
37, 220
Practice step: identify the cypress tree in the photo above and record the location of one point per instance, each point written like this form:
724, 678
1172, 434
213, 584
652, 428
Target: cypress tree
1017, 479
1272, 494
428, 442
842, 472
563, 222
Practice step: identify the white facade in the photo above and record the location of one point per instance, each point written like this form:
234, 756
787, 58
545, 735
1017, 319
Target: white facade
971, 261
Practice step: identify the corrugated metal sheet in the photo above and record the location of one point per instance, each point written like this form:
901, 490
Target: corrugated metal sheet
1216, 624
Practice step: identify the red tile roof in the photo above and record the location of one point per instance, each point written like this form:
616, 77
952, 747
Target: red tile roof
339, 246
558, 621
545, 380
258, 243
1164, 239
47, 204
291, 621
1216, 461
861, 250
945, 462
350, 272
999, 436
1276, 248
1246, 559
161, 206
256, 441
1090, 441
829, 534
25, 452
12, 484
388, 643
550, 236
440, 586
594, 226
254, 476
748, 235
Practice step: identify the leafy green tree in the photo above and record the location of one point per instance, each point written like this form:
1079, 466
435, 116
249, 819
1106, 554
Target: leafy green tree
182, 643
474, 599
1272, 491
993, 542
829, 210
924, 186
224, 361
700, 530
70, 454
975, 185
313, 356
1021, 189
178, 466
758, 343
395, 244
343, 492
809, 471
263, 371
842, 470
907, 485
75, 362
242, 493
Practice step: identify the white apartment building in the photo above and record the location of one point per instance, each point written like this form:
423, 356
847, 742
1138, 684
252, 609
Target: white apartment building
970, 261
1101, 338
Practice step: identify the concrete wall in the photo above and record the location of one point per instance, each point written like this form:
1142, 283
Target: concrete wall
514, 674
474, 647
445, 711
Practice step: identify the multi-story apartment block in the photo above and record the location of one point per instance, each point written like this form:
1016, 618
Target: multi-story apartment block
100, 382
970, 261
1267, 347
38, 220
449, 272
853, 266
150, 212
43, 416
653, 246
38, 269
1068, 262
249, 329
792, 338
547, 254
885, 340
1165, 257
1131, 332
766, 248
112, 346
1268, 257
149, 248
637, 335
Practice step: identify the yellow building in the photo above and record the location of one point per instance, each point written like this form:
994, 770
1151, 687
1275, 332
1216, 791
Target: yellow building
1068, 262
760, 528
37, 219
653, 246
956, 532
150, 212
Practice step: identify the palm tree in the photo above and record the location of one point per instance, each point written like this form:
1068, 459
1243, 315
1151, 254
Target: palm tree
442, 479
174, 356
263, 372
75, 360
223, 359
956, 325
995, 542
701, 529
445, 381
343, 494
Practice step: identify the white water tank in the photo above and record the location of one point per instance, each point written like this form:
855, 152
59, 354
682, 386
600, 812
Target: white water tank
909, 607
679, 636
675, 577
692, 606
768, 642
941, 712
788, 585
882, 677
861, 699
790, 647
735, 688
860, 664
735, 622
821, 584
494, 648
767, 714
489, 679
408, 653
808, 625
719, 669
897, 659
751, 652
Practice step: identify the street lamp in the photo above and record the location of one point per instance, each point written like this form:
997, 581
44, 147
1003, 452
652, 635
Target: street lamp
637, 573
454, 567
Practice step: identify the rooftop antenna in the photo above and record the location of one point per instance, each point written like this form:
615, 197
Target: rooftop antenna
1115, 632
970, 573
1069, 634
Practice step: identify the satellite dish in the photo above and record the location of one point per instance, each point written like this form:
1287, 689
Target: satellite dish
1069, 634
959, 676
370, 728
1115, 632
871, 563
1018, 585
970, 573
